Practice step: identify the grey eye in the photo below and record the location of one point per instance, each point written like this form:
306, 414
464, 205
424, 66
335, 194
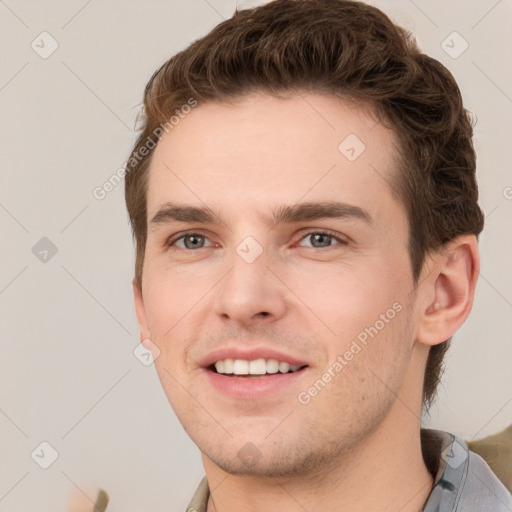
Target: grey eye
320, 239
193, 241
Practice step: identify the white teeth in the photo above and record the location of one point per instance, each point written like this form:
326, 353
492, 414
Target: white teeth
256, 367
240, 367
272, 366
284, 367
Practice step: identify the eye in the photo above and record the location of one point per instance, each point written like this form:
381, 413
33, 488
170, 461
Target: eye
321, 239
193, 241
189, 241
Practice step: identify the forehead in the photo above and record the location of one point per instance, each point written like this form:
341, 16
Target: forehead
264, 150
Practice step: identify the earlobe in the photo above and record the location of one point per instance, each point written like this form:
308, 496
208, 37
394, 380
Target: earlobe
447, 292
140, 311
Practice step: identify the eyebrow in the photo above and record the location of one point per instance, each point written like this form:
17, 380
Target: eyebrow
286, 214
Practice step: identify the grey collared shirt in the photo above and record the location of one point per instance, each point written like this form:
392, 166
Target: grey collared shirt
463, 481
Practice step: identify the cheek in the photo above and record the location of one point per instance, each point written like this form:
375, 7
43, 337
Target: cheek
168, 305
172, 294
348, 299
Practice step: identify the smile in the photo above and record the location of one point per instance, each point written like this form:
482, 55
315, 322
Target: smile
256, 367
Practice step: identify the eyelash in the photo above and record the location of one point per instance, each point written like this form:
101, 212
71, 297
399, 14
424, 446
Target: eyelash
324, 232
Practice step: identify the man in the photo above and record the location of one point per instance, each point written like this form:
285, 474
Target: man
306, 227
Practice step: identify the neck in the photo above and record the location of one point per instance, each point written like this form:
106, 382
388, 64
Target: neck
386, 473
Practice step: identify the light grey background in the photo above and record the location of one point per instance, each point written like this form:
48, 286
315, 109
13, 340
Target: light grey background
68, 373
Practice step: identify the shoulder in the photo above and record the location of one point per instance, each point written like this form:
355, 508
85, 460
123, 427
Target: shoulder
482, 490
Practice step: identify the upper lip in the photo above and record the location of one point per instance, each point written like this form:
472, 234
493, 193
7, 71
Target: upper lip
249, 354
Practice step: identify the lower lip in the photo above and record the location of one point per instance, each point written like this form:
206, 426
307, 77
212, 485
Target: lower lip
252, 387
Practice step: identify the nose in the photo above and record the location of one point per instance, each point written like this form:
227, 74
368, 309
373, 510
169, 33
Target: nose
250, 292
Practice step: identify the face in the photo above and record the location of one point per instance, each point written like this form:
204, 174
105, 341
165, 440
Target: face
298, 263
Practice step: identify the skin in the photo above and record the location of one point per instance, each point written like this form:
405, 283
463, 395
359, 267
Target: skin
356, 444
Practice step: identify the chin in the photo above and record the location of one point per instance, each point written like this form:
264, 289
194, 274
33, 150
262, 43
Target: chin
270, 461
261, 468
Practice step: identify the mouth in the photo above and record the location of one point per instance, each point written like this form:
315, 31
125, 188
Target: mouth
254, 369
258, 373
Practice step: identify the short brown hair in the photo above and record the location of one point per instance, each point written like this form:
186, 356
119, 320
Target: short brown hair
345, 49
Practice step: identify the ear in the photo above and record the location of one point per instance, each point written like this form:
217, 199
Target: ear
140, 311
446, 289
